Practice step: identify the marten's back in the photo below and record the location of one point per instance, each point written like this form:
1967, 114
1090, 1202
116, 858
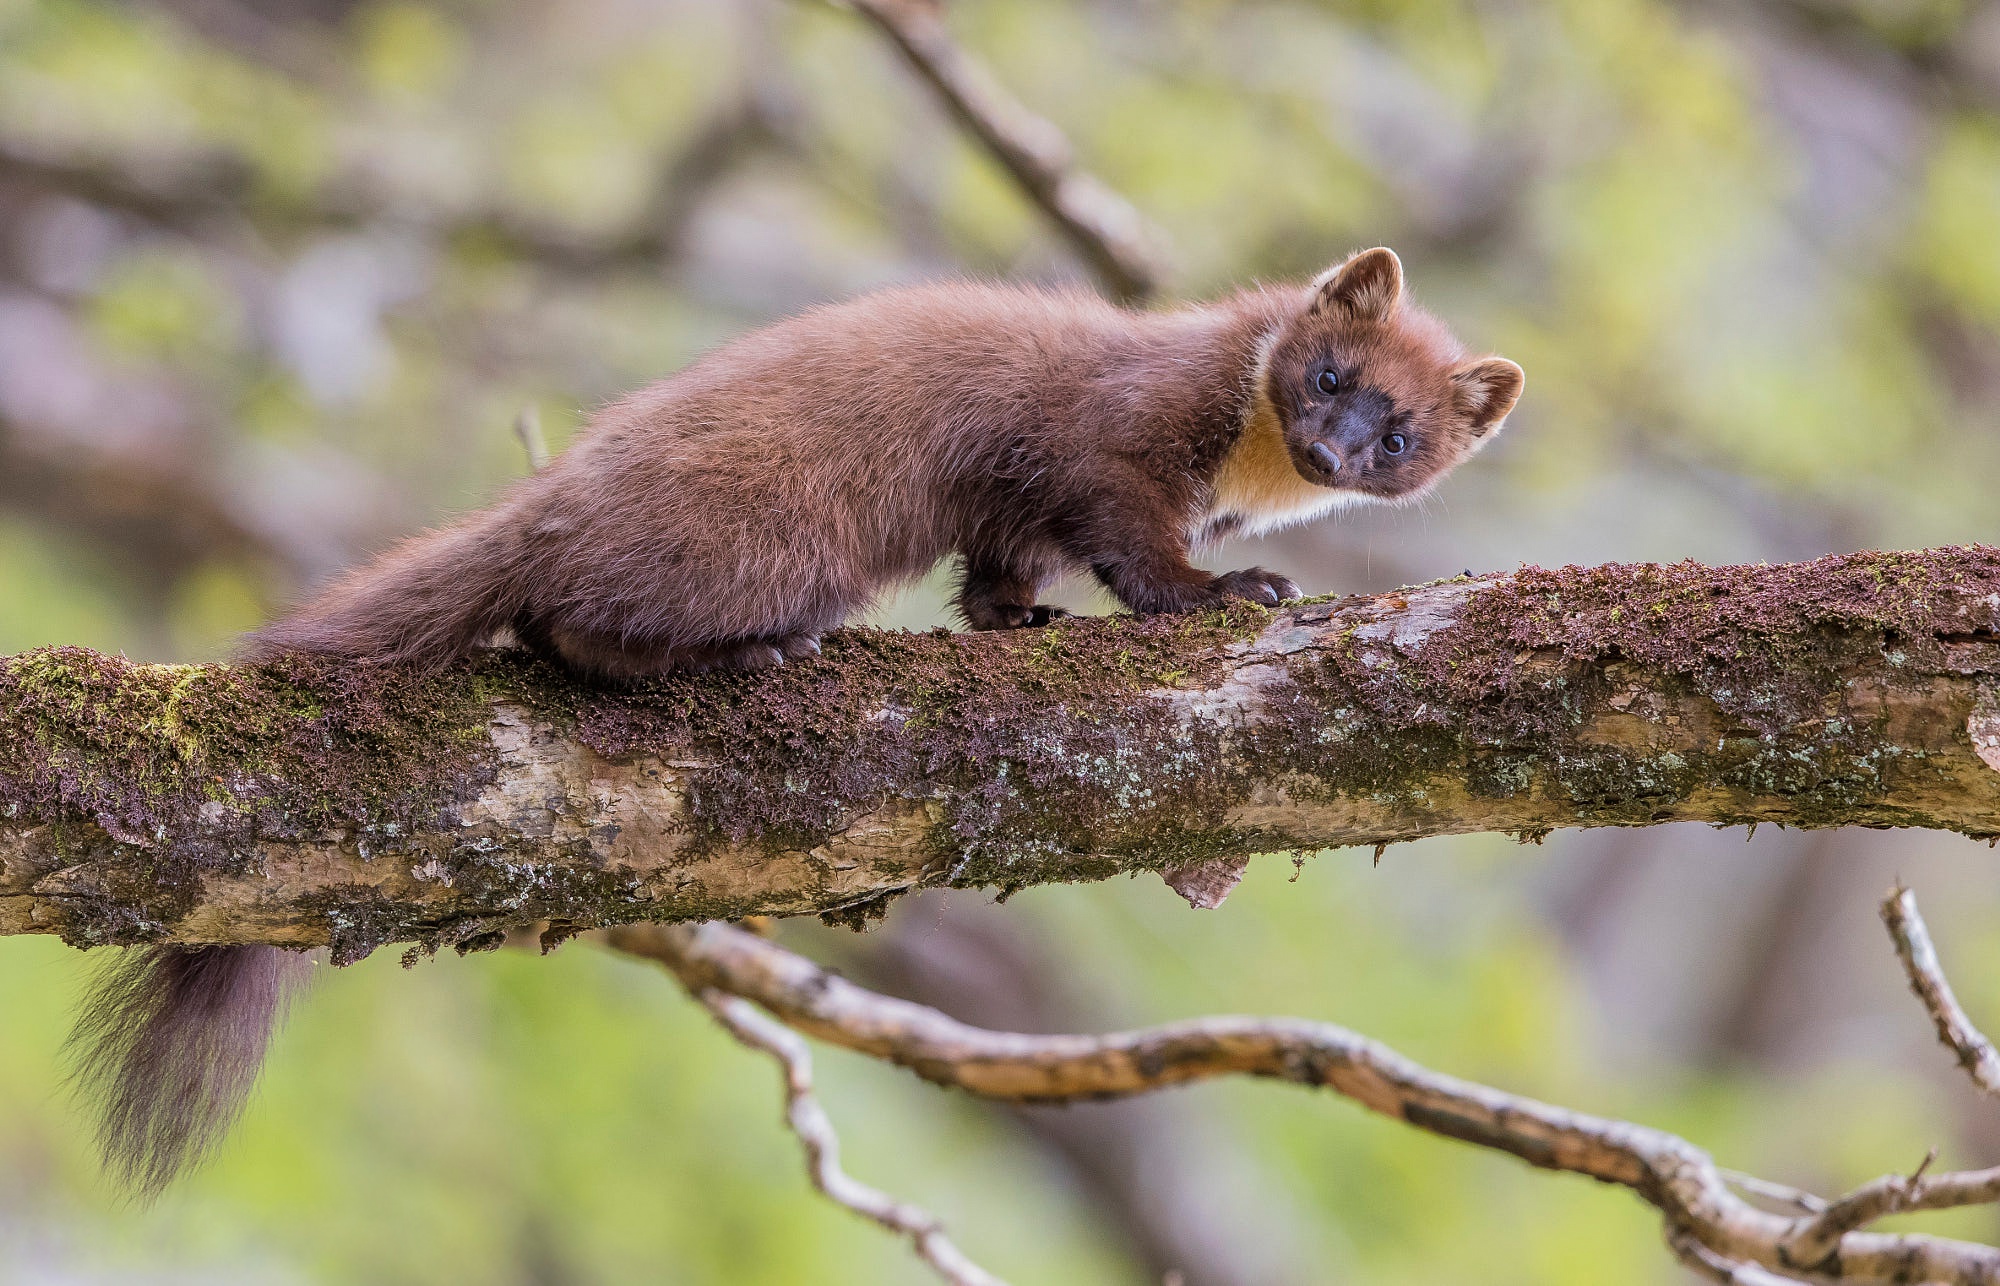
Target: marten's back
919, 371
880, 408
776, 486
831, 447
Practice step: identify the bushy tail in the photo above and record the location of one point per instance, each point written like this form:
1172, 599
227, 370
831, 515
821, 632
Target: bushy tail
426, 602
168, 1048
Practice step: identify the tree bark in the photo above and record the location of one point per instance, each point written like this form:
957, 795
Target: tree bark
307, 803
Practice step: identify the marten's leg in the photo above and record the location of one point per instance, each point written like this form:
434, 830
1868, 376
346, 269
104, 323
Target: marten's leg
1134, 539
1000, 593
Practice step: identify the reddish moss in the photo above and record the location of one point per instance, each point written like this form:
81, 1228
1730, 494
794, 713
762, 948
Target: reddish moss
1757, 639
1498, 695
1031, 741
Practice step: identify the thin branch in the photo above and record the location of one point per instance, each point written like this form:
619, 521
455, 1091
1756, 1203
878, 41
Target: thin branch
1663, 1169
528, 431
1892, 1194
1706, 1263
1778, 1193
809, 1121
197, 191
1920, 962
1178, 1193
1120, 245
1817, 1241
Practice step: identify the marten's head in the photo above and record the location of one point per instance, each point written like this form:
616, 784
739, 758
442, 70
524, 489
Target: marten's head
1373, 394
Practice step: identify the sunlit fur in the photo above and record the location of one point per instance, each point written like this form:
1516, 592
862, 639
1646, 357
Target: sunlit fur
728, 515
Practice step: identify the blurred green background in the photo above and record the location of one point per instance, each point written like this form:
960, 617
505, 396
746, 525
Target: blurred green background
276, 276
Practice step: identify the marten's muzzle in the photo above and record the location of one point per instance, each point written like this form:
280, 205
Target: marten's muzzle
1354, 422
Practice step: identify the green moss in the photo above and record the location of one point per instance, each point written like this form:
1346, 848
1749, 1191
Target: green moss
179, 771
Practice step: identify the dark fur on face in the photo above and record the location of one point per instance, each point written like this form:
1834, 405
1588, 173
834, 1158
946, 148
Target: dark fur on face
1376, 396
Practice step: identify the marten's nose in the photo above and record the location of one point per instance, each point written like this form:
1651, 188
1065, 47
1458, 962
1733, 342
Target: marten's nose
1328, 458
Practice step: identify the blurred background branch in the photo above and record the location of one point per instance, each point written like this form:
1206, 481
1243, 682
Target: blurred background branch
808, 1120
1706, 1222
1105, 228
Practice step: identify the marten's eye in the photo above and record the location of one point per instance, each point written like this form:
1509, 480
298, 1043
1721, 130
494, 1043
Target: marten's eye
1396, 444
1327, 382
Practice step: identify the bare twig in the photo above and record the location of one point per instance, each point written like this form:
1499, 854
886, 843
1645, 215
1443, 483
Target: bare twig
1706, 1263
197, 191
1816, 1242
1920, 961
809, 1121
1160, 1174
1123, 249
528, 428
1663, 1169
1779, 1193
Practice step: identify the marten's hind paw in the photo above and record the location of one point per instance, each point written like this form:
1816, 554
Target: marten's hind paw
1011, 616
746, 655
797, 647
737, 655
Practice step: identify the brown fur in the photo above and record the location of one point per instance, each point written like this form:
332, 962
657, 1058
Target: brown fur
168, 1049
728, 515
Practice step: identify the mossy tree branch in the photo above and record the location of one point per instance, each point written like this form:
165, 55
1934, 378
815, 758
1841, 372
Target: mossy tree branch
306, 803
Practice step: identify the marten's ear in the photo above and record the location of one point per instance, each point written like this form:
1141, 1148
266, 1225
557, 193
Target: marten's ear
1487, 389
1365, 288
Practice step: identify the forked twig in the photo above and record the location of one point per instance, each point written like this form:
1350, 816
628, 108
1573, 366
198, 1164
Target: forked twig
1706, 1263
1817, 1242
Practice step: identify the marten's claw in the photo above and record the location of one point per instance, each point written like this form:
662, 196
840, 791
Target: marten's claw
1010, 616
797, 647
1256, 585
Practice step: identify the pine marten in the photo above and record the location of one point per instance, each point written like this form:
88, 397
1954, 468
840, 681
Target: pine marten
726, 517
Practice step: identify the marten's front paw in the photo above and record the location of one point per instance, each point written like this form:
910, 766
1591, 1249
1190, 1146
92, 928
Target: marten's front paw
1255, 584
1011, 616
